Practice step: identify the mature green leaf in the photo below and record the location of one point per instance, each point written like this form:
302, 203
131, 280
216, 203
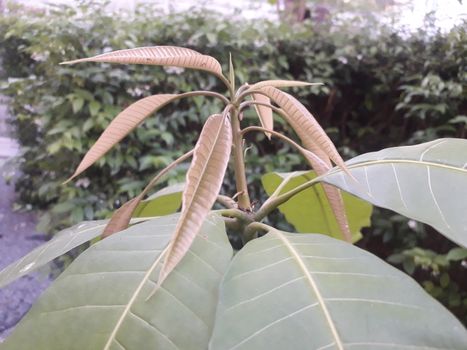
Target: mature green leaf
426, 182
100, 301
163, 202
61, 243
310, 210
290, 291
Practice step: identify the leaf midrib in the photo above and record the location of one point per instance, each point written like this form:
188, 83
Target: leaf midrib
314, 287
205, 166
132, 299
400, 161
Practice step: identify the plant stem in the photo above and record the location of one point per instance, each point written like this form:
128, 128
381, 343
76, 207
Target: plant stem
205, 93
308, 155
226, 201
251, 229
239, 162
269, 206
246, 104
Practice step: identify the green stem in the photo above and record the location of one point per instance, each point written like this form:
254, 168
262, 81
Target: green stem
226, 201
247, 92
251, 229
205, 93
246, 104
309, 156
165, 171
269, 206
226, 83
236, 220
239, 163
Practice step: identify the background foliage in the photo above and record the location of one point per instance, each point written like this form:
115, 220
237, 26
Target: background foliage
380, 90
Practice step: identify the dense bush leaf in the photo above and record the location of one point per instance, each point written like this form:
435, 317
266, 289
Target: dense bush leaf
310, 211
426, 182
100, 301
290, 291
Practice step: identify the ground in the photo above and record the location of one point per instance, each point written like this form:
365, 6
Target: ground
17, 237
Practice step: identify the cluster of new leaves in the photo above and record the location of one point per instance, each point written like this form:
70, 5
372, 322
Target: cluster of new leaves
212, 151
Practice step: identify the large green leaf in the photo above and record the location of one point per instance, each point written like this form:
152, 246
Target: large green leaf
310, 211
163, 202
295, 292
61, 243
101, 300
426, 182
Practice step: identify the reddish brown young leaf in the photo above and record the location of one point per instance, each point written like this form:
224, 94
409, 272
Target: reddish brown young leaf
281, 84
333, 194
121, 217
264, 113
315, 139
304, 124
121, 126
203, 182
158, 55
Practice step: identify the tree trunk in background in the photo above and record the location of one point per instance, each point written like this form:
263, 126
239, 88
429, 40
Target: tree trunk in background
291, 10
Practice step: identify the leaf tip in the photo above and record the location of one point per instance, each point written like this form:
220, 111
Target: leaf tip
67, 62
73, 61
68, 180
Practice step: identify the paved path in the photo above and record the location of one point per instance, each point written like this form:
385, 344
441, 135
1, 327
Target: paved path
17, 238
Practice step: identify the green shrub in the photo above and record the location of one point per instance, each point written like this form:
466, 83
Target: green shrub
175, 282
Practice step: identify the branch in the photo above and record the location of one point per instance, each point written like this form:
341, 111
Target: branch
306, 153
205, 93
272, 204
246, 104
239, 162
226, 201
251, 229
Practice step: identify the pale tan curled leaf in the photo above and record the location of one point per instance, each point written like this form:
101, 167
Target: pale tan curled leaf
120, 126
304, 124
203, 182
160, 56
281, 84
264, 112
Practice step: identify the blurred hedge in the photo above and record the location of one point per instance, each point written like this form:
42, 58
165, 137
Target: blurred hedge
380, 91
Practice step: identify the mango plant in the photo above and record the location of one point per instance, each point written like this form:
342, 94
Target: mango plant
157, 279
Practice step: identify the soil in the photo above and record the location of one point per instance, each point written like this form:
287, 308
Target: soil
17, 237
